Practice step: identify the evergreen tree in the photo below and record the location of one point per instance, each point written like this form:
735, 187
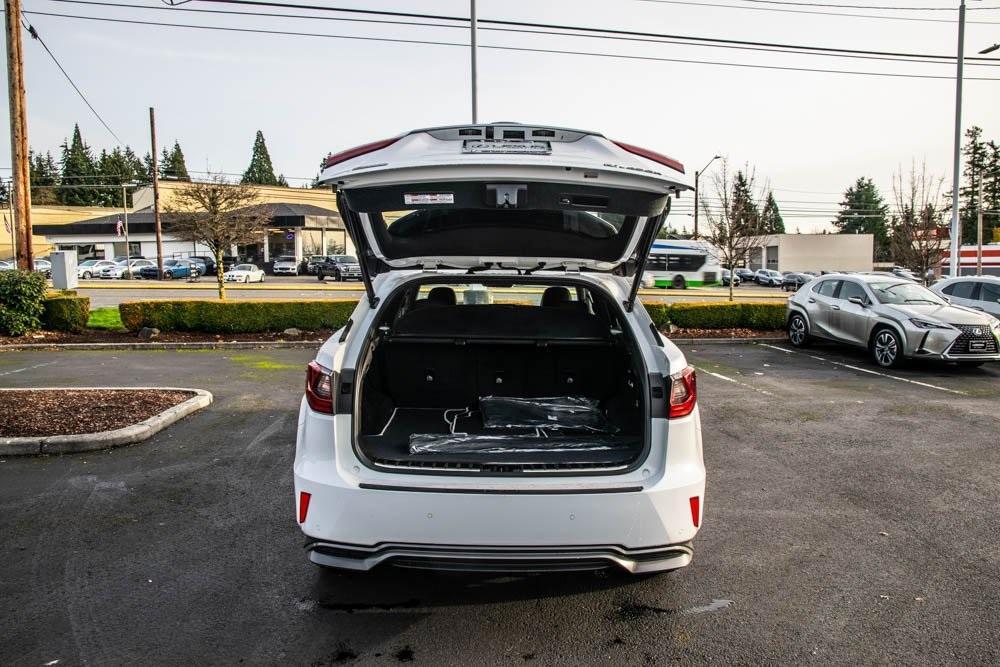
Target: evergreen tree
115, 168
172, 164
863, 211
77, 166
43, 172
772, 222
743, 206
981, 163
282, 181
260, 171
4, 195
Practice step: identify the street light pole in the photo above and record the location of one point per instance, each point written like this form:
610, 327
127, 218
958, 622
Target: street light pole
696, 175
956, 223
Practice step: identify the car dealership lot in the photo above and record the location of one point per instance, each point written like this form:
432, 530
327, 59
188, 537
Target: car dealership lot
850, 517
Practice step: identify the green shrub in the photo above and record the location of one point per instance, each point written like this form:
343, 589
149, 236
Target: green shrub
705, 315
21, 297
235, 316
67, 313
763, 315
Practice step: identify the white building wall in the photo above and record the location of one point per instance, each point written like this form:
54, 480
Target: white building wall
815, 252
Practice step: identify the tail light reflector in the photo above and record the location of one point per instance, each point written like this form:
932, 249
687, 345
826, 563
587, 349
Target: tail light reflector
695, 510
683, 393
319, 388
650, 155
304, 499
358, 151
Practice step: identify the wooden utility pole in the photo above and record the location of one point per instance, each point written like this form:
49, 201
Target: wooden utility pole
156, 195
21, 176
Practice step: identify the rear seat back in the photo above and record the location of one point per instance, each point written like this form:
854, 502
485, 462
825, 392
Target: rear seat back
448, 357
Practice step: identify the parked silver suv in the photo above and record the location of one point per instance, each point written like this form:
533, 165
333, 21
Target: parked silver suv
893, 318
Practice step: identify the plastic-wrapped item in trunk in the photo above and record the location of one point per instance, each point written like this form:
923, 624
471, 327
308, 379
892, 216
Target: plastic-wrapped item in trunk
552, 412
489, 443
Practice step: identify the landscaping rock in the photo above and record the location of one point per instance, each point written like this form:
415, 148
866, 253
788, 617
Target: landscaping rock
291, 332
147, 333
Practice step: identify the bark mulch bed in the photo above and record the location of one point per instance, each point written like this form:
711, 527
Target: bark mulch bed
723, 333
44, 412
98, 336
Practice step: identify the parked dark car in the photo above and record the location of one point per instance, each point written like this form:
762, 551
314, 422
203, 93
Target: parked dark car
791, 282
724, 279
745, 275
206, 261
313, 262
341, 267
172, 268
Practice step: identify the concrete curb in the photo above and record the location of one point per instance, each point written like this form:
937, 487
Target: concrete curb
88, 442
726, 341
201, 345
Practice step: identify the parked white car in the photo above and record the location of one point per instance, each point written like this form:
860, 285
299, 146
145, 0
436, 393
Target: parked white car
89, 268
244, 273
121, 270
285, 265
422, 440
7, 266
976, 292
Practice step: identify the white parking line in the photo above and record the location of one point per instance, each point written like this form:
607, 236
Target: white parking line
28, 368
865, 370
729, 379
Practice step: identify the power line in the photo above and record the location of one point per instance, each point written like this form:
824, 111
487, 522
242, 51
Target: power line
883, 7
505, 48
34, 35
840, 53
883, 17
602, 31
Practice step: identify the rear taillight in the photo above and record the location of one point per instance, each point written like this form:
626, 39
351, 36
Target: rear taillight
650, 155
304, 498
357, 151
695, 503
319, 388
683, 393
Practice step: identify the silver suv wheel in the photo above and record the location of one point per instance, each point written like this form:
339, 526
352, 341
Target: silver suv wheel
886, 348
797, 330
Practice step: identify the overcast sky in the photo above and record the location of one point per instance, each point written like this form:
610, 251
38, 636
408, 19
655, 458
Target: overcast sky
809, 134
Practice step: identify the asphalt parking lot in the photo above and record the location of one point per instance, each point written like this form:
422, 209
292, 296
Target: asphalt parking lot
850, 518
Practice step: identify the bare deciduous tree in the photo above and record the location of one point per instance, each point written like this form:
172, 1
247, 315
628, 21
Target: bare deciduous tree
736, 224
918, 226
218, 214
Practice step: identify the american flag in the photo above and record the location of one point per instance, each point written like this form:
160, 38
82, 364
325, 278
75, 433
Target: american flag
119, 227
6, 224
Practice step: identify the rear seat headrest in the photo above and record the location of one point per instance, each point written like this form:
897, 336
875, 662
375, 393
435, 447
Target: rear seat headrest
442, 296
555, 296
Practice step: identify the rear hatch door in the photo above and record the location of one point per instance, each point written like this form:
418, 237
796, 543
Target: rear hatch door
503, 197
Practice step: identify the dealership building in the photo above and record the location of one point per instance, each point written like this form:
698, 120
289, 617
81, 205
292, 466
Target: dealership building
813, 252
303, 223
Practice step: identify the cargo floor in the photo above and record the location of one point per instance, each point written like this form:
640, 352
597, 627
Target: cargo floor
392, 445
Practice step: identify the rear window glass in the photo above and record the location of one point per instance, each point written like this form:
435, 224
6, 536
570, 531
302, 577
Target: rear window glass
826, 287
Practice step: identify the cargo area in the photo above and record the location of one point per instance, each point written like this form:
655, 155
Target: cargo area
548, 381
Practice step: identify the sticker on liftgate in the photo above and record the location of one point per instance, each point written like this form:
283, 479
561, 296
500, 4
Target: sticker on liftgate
429, 198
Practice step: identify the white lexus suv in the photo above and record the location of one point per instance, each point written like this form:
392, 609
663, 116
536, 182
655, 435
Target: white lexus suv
500, 401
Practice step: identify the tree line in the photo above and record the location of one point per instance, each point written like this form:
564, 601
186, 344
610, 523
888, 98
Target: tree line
71, 178
907, 231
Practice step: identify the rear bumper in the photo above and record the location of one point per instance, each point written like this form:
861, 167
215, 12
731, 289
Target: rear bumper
362, 517
500, 559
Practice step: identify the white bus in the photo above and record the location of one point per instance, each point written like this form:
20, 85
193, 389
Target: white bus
681, 264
